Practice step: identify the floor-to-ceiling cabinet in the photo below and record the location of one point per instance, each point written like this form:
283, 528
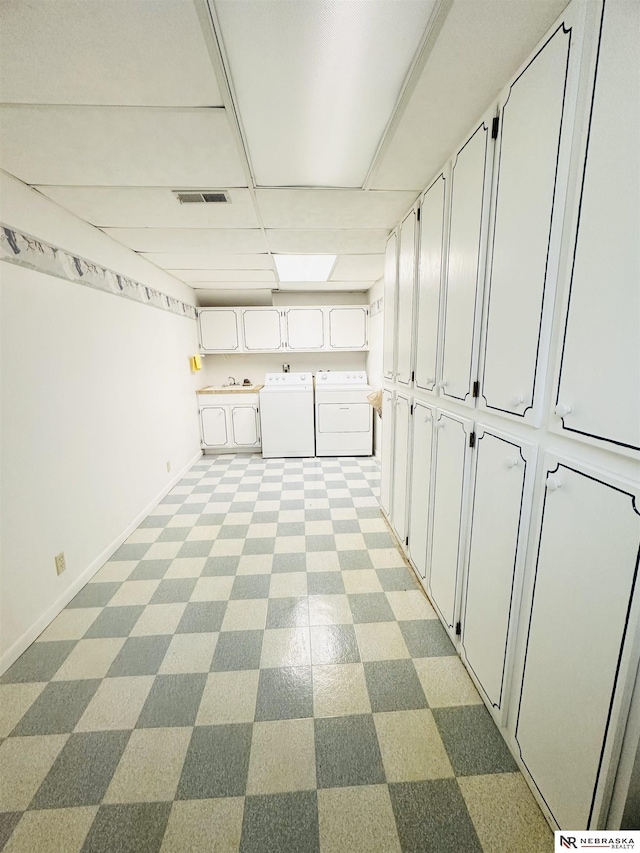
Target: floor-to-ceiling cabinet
511, 413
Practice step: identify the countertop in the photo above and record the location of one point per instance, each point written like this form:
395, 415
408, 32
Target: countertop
230, 389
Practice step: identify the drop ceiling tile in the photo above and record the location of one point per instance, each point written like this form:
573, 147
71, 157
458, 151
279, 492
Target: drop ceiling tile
76, 52
120, 146
328, 241
143, 207
332, 208
190, 240
326, 286
224, 275
358, 268
209, 262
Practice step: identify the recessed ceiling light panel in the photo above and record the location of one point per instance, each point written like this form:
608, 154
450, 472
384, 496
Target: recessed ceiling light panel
304, 267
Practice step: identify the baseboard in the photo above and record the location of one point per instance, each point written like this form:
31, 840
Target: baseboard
32, 634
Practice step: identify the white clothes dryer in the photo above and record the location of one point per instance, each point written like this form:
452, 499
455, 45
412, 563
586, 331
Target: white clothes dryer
344, 416
286, 415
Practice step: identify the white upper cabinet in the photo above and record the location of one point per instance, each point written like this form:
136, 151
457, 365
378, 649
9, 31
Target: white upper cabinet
389, 307
244, 425
534, 146
468, 220
420, 504
449, 488
219, 330
501, 486
304, 328
401, 469
406, 298
580, 661
432, 218
386, 462
598, 390
261, 329
348, 327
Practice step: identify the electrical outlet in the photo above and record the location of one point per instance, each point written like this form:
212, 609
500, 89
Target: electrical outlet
60, 563
168, 467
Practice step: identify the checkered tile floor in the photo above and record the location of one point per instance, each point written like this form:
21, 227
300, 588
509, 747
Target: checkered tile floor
256, 669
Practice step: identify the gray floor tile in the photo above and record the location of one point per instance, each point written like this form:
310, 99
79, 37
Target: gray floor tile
58, 708
354, 560
220, 566
288, 612
130, 828
8, 821
156, 521
291, 504
169, 591
210, 519
289, 563
148, 570
217, 762
334, 644
259, 545
290, 528
346, 525
174, 534
265, 517
140, 656
115, 621
321, 542
284, 694
202, 617
394, 685
130, 552
94, 595
191, 509
317, 515
251, 586
197, 548
432, 817
368, 512
371, 607
473, 743
173, 701
237, 650
397, 579
281, 823
325, 583
81, 773
244, 506
347, 752
426, 638
172, 499
40, 662
341, 503
378, 540
233, 531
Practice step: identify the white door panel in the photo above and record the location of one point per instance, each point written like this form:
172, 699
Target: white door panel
261, 329
529, 207
348, 328
499, 520
214, 426
244, 425
419, 509
601, 348
400, 467
389, 307
432, 210
450, 449
305, 328
470, 187
386, 450
582, 622
219, 330
406, 297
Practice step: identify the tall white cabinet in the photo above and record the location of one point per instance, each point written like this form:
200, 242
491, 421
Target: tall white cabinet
511, 413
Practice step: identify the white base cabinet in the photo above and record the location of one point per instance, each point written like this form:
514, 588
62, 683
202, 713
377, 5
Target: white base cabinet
400, 482
386, 465
229, 422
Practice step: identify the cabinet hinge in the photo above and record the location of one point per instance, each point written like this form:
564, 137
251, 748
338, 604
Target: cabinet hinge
406, 541
418, 214
411, 409
495, 124
476, 389
472, 439
458, 629
413, 376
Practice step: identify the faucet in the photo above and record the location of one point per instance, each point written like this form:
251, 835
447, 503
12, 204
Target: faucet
231, 381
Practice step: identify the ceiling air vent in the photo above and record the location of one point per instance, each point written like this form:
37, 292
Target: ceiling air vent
202, 196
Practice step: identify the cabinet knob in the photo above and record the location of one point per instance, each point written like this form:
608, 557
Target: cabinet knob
427, 418
428, 380
439, 424
553, 483
512, 462
562, 410
443, 383
517, 399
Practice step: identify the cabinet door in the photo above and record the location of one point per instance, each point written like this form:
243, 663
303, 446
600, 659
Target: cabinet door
598, 397
389, 307
386, 451
406, 297
401, 470
214, 426
578, 660
450, 449
219, 329
499, 520
305, 328
261, 329
429, 280
348, 327
244, 425
470, 190
419, 508
535, 126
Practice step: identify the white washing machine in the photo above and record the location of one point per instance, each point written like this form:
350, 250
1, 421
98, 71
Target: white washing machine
344, 416
286, 415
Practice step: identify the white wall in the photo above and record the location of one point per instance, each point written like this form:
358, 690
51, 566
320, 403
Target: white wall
374, 356
97, 396
217, 368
